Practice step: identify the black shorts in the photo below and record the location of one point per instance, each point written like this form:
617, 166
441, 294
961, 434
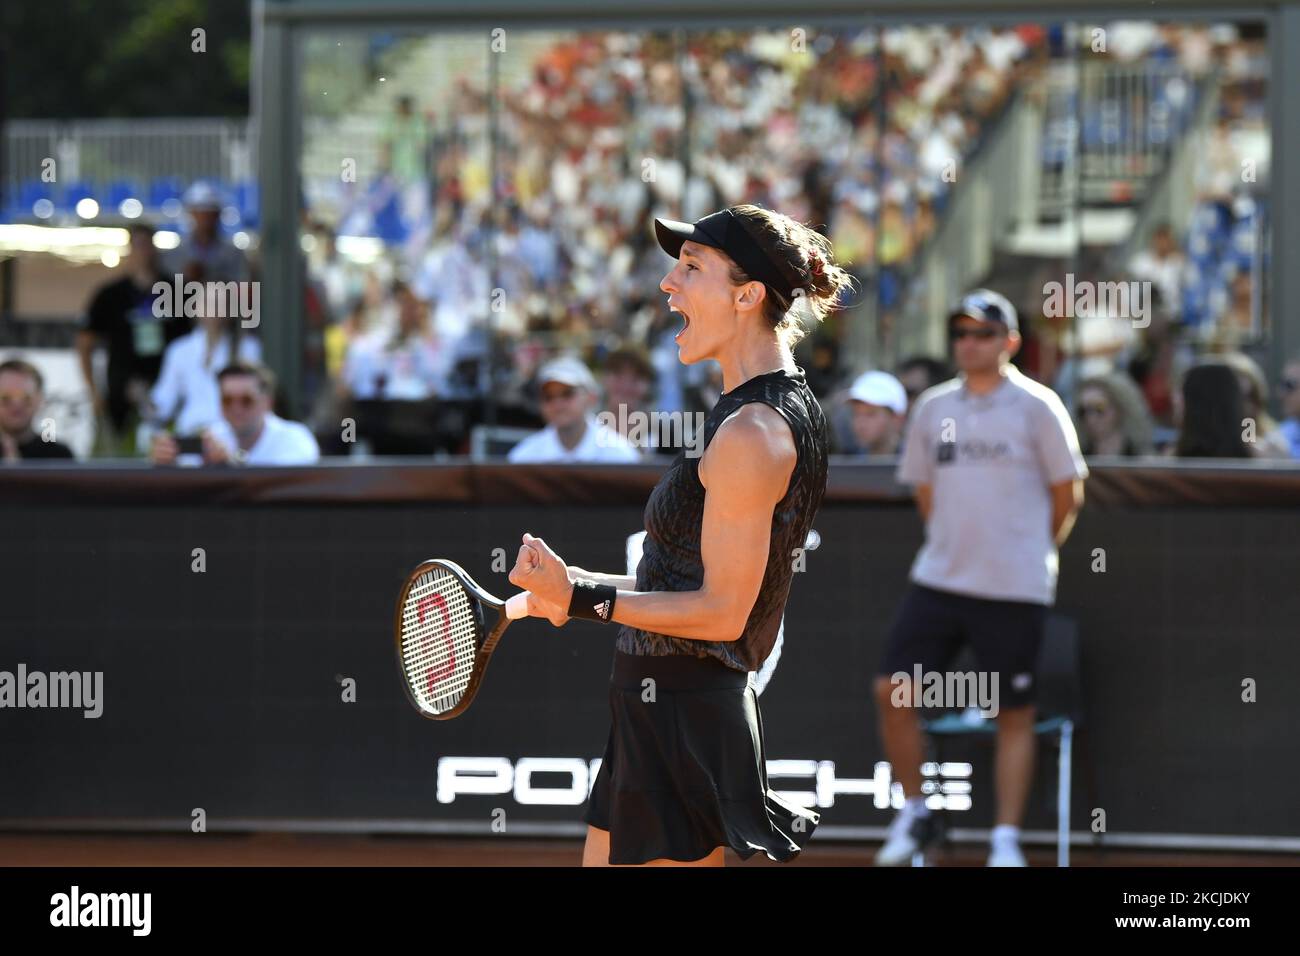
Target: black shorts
684, 771
932, 625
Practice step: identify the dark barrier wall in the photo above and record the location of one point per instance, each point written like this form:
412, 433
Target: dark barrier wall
222, 689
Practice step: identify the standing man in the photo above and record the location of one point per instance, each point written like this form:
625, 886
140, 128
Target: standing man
404, 146
998, 477
204, 255
121, 317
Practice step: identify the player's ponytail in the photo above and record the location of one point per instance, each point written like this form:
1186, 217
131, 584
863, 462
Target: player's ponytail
806, 256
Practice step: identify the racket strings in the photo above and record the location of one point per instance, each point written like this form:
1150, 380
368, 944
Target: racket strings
439, 639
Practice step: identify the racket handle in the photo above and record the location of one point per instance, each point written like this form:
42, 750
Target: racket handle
517, 606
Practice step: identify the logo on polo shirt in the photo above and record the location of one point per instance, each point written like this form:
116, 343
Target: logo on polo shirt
972, 450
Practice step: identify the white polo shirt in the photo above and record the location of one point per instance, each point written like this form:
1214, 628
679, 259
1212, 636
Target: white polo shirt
990, 461
187, 388
282, 442
600, 444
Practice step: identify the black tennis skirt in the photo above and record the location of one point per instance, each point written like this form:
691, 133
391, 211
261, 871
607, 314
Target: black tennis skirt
684, 771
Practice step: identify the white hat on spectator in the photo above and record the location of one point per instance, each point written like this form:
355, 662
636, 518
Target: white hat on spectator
567, 370
880, 388
201, 195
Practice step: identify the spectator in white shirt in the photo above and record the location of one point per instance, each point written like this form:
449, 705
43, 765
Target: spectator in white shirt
186, 390
1164, 266
572, 433
249, 433
403, 365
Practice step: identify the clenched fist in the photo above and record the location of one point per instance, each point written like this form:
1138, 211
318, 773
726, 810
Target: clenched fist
540, 570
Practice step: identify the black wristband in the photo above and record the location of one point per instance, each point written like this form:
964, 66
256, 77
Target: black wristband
593, 602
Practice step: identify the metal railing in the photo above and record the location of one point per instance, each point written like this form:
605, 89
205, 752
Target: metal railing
137, 151
1109, 129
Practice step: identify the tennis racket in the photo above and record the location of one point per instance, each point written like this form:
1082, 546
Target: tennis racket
447, 628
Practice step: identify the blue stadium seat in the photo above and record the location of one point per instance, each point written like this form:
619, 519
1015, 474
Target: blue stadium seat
162, 189
246, 198
118, 192
74, 193
25, 197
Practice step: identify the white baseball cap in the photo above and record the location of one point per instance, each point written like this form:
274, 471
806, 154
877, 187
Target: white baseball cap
202, 195
880, 388
567, 370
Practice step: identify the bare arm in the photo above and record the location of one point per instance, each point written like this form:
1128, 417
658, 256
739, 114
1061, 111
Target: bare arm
1067, 499
86, 340
745, 472
624, 582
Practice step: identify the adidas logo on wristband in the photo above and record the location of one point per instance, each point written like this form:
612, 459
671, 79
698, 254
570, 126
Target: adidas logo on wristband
601, 611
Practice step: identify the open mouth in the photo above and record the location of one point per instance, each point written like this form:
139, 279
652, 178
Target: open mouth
686, 321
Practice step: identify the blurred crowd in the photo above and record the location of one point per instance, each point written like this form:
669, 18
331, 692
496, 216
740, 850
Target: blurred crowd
480, 327
861, 132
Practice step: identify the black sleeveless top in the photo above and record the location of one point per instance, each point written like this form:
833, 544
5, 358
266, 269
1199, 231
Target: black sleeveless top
674, 519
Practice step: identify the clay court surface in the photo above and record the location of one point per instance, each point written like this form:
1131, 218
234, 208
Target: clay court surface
331, 850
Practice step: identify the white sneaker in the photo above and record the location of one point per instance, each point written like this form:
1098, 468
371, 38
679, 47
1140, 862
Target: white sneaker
1006, 853
908, 835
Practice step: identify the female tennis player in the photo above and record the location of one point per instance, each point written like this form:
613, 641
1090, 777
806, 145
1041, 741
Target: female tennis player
684, 772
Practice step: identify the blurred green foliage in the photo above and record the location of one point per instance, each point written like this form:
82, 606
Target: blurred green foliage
86, 59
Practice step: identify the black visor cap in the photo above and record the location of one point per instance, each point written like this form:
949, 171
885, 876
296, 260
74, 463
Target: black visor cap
724, 231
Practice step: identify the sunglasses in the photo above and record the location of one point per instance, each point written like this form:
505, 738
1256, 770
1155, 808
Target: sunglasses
17, 399
243, 401
1093, 409
555, 395
983, 335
